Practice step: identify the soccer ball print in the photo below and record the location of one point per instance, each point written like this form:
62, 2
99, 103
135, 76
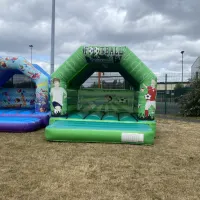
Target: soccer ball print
147, 96
96, 51
91, 51
122, 100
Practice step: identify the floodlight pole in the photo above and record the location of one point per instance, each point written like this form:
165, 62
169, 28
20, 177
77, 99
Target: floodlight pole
182, 52
99, 79
31, 46
52, 35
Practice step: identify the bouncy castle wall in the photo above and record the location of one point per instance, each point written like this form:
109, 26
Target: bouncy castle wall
17, 98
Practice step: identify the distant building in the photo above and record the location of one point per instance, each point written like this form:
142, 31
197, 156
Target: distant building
195, 68
170, 85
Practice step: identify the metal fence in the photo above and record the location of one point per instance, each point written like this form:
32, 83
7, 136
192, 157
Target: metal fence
169, 87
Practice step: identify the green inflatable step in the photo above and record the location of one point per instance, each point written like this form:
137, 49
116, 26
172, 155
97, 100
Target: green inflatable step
77, 115
126, 117
95, 116
98, 131
110, 116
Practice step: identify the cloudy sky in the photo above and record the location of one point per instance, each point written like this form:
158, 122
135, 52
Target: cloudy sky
156, 31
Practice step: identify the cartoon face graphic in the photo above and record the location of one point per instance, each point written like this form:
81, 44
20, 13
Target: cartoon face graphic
153, 83
56, 82
42, 109
3, 64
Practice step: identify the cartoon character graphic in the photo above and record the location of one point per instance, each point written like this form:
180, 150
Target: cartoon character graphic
150, 97
3, 64
57, 94
27, 63
42, 109
32, 101
21, 67
43, 96
42, 90
7, 96
34, 75
13, 59
23, 99
17, 100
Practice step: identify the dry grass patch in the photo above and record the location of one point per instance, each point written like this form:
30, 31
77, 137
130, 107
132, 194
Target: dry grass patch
32, 168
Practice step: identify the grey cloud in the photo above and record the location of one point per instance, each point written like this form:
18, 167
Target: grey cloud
18, 36
26, 11
89, 22
177, 9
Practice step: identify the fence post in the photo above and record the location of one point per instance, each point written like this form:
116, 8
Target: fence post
165, 94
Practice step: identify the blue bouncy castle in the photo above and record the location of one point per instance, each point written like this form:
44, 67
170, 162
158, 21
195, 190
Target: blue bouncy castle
24, 105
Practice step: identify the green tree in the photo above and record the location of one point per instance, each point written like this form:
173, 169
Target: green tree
178, 86
179, 90
190, 101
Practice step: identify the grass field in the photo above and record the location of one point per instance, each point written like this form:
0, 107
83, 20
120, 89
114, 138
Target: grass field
34, 169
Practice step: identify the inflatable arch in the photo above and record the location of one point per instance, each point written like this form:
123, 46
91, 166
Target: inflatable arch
23, 109
93, 115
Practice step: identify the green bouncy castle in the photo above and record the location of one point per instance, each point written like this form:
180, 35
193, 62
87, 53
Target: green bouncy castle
102, 115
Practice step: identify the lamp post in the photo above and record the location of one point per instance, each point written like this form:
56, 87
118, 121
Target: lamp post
52, 35
182, 52
31, 46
